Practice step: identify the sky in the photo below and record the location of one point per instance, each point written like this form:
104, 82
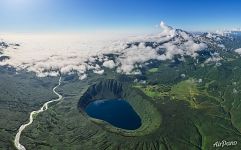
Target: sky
137, 16
74, 35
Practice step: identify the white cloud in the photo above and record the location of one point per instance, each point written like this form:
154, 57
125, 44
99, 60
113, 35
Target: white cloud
215, 57
221, 46
98, 71
83, 76
109, 64
46, 55
135, 54
238, 51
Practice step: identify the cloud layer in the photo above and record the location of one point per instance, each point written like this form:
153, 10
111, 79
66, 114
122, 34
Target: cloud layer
49, 55
238, 51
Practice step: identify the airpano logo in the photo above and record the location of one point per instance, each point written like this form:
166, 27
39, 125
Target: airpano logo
224, 143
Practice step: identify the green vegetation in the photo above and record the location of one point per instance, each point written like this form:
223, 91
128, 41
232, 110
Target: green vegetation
179, 112
20, 94
186, 90
186, 113
154, 91
153, 70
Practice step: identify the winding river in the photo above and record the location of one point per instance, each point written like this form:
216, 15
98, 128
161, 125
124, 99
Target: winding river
17, 144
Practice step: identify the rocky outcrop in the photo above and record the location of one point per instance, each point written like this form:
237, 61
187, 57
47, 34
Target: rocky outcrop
3, 45
2, 58
107, 89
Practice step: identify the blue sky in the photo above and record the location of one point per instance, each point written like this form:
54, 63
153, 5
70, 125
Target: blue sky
117, 15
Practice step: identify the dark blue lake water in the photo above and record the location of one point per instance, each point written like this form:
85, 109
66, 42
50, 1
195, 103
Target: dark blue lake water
117, 112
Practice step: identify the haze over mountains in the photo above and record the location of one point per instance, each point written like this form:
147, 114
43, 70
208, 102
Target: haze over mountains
49, 55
